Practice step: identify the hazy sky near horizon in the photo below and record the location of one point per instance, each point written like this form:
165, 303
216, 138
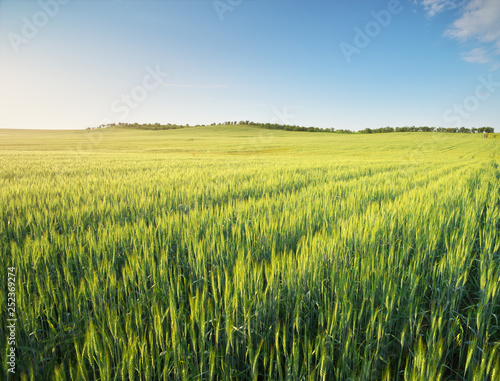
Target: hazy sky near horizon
70, 64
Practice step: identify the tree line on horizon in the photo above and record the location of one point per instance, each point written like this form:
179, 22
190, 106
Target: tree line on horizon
286, 127
461, 130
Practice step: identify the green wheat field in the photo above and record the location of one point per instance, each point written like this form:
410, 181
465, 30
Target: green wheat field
237, 253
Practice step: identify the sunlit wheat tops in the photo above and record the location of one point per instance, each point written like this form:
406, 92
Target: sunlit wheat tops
148, 256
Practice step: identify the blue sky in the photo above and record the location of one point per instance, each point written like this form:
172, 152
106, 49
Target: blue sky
70, 64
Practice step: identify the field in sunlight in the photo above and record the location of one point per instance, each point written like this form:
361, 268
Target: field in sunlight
241, 253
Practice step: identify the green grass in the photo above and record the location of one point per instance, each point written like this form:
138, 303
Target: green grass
242, 253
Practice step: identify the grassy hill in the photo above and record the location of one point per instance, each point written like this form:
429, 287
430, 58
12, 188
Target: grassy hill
241, 140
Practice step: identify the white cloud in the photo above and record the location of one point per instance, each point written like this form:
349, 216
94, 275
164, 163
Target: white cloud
194, 86
436, 6
480, 20
478, 23
477, 55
